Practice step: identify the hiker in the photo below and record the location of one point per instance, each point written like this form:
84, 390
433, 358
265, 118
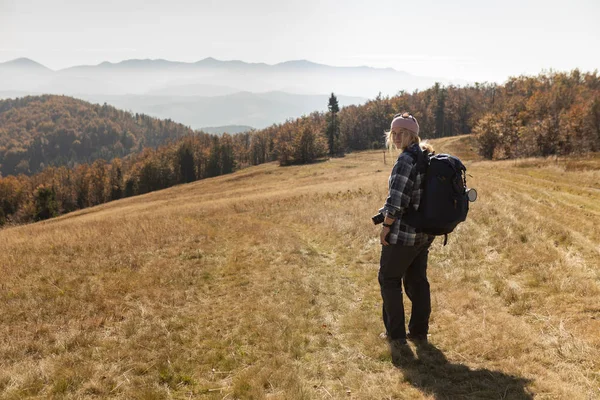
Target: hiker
404, 251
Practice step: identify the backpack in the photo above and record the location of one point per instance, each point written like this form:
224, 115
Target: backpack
445, 202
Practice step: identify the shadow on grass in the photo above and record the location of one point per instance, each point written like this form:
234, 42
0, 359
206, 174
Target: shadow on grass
434, 375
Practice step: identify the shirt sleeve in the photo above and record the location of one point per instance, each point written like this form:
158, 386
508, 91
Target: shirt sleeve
400, 188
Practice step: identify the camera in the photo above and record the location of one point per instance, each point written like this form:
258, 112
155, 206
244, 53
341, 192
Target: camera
377, 219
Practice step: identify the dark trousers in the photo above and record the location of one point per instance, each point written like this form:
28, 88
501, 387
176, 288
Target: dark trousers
406, 264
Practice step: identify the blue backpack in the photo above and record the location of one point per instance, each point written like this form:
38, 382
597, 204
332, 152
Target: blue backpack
445, 202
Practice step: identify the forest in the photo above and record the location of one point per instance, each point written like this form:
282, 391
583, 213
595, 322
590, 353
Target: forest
59, 154
43, 131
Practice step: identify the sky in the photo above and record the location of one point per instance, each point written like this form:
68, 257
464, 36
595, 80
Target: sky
475, 40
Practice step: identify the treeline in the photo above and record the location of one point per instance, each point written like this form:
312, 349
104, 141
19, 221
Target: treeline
554, 113
42, 131
551, 114
59, 190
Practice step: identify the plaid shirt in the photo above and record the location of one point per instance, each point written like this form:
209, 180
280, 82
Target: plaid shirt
405, 190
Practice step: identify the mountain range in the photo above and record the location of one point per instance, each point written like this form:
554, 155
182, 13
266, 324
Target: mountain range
211, 92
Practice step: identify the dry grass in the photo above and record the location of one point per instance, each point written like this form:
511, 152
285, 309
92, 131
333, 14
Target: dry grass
262, 284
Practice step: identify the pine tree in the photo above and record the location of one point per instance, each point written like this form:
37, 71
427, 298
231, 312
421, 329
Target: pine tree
45, 203
213, 167
185, 159
226, 152
116, 180
333, 128
440, 111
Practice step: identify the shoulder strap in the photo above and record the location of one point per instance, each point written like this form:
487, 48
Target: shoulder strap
420, 158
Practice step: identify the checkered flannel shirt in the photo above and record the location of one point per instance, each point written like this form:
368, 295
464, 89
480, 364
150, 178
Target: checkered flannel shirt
405, 191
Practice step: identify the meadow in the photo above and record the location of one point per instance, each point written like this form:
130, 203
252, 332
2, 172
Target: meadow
262, 284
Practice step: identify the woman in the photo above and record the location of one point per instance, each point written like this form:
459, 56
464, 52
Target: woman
404, 251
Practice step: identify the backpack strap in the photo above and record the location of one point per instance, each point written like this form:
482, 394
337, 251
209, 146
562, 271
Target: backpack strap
421, 164
420, 158
445, 239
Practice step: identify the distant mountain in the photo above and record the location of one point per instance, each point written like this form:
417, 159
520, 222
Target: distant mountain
211, 92
24, 74
149, 76
25, 64
231, 129
258, 110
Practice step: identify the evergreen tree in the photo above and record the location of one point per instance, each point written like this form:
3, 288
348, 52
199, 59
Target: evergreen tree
214, 168
186, 162
333, 128
439, 113
227, 156
116, 180
45, 203
131, 186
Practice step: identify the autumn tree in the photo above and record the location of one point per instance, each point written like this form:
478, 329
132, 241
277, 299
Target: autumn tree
227, 159
259, 147
116, 180
309, 144
213, 167
487, 132
98, 181
82, 186
284, 143
439, 110
13, 194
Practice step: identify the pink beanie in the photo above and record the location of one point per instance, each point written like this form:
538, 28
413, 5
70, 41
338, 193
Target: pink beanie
406, 121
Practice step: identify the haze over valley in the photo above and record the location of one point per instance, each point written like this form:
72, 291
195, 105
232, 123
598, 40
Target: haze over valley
211, 93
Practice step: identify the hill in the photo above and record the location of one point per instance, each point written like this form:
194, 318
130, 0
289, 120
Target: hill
40, 131
263, 284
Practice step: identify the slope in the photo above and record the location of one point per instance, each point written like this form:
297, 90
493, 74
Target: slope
263, 284
38, 131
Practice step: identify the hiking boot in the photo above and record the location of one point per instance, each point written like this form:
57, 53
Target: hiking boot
417, 337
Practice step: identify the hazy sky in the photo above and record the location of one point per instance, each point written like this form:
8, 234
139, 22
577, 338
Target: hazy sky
469, 39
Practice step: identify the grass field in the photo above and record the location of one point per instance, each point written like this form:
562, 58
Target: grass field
263, 285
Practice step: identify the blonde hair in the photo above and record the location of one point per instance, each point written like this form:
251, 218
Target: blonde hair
427, 147
407, 139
